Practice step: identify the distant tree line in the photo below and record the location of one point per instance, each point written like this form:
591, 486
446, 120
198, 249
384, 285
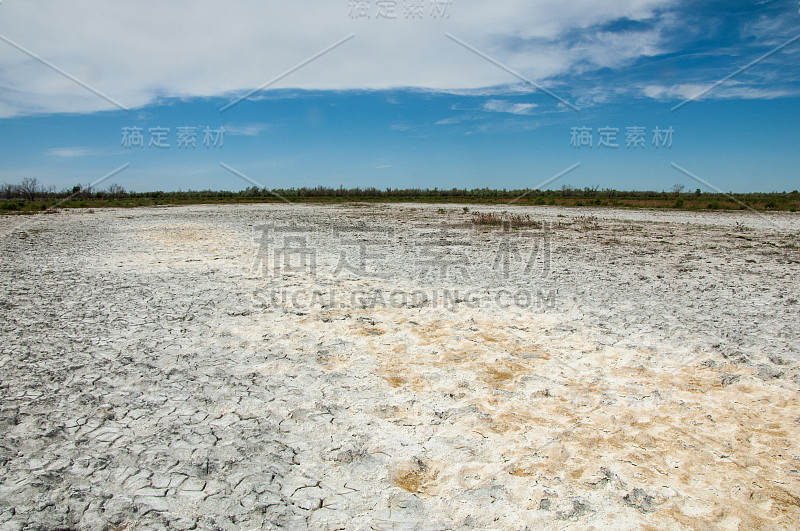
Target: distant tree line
31, 190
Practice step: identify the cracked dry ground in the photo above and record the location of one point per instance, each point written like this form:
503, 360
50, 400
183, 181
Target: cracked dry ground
143, 385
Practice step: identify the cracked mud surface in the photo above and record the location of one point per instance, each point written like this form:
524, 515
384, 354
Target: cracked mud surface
159, 368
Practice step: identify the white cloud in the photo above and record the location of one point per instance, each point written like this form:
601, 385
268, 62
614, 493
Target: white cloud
138, 52
728, 90
70, 152
506, 106
243, 129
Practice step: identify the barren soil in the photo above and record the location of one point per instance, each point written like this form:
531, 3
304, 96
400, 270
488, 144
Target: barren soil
398, 367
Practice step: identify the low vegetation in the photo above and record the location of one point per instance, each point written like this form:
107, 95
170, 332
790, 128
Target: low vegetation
505, 220
29, 197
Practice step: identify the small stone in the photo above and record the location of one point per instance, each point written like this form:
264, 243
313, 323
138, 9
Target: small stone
152, 503
183, 524
175, 480
545, 504
118, 509
59, 464
641, 500
729, 379
160, 481
150, 492
578, 509
769, 372
193, 484
192, 495
777, 359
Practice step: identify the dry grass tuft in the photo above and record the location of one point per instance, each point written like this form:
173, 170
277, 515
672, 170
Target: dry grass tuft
505, 220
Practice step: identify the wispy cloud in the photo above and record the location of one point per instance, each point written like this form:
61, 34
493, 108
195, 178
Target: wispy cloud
451, 120
506, 89
244, 129
70, 152
509, 107
731, 90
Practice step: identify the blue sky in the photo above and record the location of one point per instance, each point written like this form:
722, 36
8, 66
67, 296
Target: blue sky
424, 99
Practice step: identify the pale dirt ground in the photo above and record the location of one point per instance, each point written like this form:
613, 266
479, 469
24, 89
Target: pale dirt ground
152, 377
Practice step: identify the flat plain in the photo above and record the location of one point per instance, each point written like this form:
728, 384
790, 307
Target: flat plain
371, 366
